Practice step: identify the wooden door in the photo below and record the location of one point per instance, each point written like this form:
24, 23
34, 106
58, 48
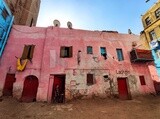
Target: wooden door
122, 88
30, 89
8, 86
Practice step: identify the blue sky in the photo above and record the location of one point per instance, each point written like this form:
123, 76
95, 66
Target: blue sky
118, 15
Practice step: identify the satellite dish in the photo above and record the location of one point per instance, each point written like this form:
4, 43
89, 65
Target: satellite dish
56, 23
129, 31
69, 24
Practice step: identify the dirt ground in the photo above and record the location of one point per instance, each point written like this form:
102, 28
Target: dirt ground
141, 107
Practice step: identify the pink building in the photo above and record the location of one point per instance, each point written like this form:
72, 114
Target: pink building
82, 63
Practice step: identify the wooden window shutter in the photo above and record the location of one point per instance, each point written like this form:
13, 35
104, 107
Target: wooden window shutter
62, 51
70, 51
31, 51
25, 52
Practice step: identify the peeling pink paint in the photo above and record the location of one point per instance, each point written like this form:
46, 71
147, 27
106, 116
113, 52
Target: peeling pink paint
46, 62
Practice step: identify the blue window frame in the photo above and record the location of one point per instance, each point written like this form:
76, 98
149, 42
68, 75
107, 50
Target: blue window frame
5, 14
6, 21
103, 50
89, 50
120, 54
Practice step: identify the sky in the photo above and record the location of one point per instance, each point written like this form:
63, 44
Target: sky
111, 15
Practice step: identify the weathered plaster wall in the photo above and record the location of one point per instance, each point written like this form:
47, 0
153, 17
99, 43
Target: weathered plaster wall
92, 63
47, 62
20, 36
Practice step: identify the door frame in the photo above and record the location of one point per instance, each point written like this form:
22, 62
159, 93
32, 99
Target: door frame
63, 80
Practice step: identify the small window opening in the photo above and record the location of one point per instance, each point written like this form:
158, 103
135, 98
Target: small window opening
148, 21
28, 52
103, 52
89, 50
120, 54
31, 24
152, 35
142, 80
90, 79
66, 52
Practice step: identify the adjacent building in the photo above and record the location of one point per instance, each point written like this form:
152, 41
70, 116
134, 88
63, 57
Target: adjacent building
151, 37
6, 21
83, 64
24, 11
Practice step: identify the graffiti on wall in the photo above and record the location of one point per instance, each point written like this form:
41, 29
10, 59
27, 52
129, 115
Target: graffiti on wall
123, 72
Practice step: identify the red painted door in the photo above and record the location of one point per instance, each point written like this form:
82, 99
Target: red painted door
8, 86
122, 88
30, 89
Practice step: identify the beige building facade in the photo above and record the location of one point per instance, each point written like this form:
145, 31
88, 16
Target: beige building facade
24, 11
151, 39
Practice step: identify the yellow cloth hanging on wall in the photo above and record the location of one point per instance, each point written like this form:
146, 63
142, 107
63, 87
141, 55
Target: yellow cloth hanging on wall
20, 67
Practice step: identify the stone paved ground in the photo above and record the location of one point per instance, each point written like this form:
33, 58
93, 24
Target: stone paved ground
142, 107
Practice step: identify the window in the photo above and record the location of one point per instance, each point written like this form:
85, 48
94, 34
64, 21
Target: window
31, 24
66, 52
28, 52
4, 13
142, 80
90, 79
157, 13
152, 35
120, 54
148, 21
103, 52
89, 50
1, 33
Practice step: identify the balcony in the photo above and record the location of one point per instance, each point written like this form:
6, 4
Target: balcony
139, 55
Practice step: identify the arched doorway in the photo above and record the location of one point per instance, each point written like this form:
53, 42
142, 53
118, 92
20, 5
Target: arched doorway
30, 89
